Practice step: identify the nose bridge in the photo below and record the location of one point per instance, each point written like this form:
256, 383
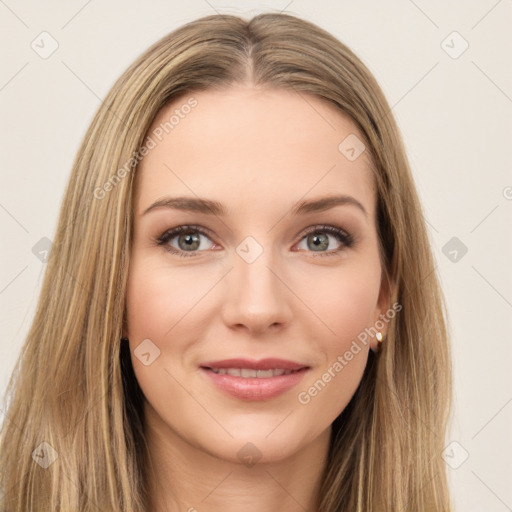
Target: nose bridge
256, 297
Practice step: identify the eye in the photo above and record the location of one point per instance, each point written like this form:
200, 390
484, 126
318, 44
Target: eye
184, 239
318, 239
187, 241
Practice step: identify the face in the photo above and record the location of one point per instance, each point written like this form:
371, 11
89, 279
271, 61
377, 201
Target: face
252, 275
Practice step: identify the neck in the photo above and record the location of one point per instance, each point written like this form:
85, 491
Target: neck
187, 478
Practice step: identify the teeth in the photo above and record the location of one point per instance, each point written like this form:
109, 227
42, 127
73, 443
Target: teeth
267, 373
249, 373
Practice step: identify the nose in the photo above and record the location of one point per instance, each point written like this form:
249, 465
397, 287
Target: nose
257, 297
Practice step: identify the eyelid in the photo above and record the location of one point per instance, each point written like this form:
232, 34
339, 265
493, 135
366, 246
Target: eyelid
328, 228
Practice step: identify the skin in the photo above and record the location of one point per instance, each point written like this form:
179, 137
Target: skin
258, 152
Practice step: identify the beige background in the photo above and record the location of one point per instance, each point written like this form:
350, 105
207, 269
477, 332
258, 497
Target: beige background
455, 115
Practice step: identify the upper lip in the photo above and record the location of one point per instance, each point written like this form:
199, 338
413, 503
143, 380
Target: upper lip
262, 364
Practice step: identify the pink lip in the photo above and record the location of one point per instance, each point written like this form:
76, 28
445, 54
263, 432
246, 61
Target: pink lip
262, 364
255, 388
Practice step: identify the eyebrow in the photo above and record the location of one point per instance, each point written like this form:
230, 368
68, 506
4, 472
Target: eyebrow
210, 207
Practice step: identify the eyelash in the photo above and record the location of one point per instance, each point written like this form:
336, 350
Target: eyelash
342, 236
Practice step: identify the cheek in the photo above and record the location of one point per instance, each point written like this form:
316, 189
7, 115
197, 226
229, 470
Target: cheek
342, 300
345, 304
165, 306
158, 299
160, 306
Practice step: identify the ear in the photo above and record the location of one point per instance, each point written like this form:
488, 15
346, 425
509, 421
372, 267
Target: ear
380, 320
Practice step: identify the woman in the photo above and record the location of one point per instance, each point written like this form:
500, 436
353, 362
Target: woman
240, 308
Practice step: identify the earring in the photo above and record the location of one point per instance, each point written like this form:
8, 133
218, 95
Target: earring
124, 339
380, 339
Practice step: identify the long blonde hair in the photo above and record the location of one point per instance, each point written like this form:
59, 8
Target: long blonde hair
73, 387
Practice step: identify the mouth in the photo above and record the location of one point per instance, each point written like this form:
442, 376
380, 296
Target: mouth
254, 380
247, 373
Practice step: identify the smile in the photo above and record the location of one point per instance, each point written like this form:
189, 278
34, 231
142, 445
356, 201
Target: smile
250, 373
253, 385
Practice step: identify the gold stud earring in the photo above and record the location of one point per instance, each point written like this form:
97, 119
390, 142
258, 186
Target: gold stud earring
380, 338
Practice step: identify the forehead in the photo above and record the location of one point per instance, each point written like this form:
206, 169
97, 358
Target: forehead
248, 146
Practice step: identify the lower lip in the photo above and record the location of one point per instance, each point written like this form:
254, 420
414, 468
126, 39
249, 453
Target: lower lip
253, 388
